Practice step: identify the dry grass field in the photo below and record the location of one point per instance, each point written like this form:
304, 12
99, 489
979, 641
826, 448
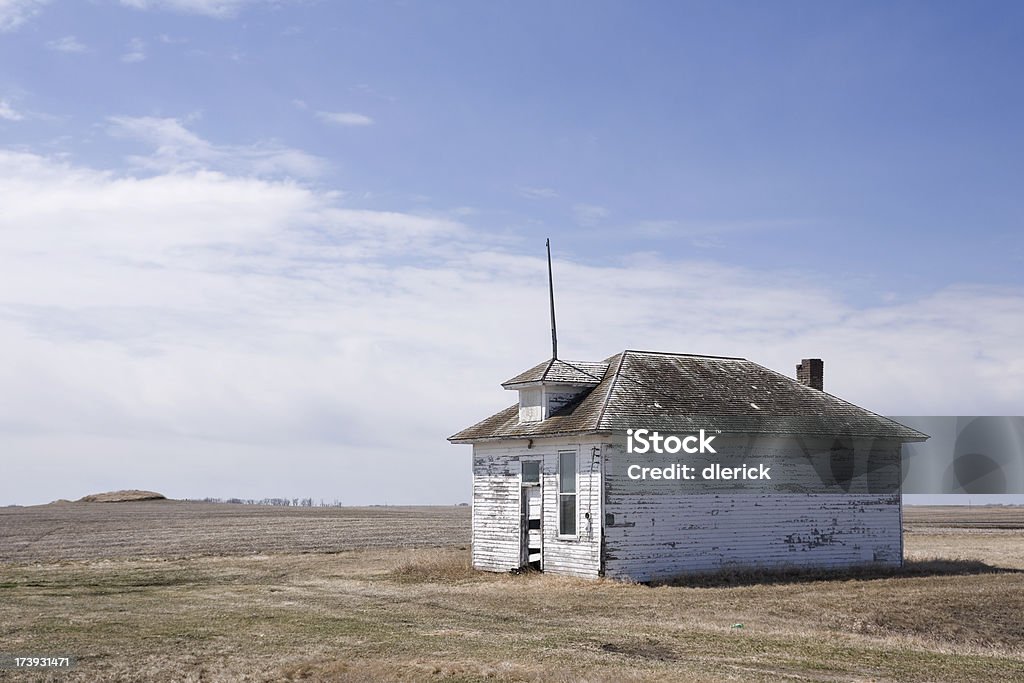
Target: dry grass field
165, 591
170, 529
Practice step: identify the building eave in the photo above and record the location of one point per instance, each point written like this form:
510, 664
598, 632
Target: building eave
529, 437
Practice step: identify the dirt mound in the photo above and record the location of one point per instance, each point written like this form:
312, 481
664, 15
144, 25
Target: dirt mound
121, 496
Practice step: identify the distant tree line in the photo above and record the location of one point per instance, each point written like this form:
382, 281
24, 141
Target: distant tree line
284, 502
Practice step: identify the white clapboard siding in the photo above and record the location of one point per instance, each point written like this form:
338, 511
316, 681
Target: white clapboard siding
495, 520
496, 507
663, 536
659, 533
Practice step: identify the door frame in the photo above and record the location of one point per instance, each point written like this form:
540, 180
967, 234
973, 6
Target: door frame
525, 490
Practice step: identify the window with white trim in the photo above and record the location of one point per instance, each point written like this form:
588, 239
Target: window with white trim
567, 493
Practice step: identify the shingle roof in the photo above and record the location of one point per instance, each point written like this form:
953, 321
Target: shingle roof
561, 372
684, 393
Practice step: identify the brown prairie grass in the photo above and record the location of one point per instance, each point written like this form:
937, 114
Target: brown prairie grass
436, 566
370, 612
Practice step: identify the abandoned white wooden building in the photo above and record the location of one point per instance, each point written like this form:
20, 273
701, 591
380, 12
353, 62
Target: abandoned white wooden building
550, 490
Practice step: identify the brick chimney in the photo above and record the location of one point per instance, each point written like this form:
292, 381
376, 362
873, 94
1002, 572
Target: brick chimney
811, 372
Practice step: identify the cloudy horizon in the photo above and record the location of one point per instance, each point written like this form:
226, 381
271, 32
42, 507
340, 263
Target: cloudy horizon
299, 285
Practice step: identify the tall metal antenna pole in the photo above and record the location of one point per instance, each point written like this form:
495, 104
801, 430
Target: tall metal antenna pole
551, 293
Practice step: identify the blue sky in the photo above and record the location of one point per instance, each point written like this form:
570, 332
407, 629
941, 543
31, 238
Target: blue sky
879, 141
219, 215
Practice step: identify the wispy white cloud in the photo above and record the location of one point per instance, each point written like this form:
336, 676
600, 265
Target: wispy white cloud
136, 51
176, 148
9, 113
344, 118
67, 44
366, 90
167, 39
13, 109
537, 192
589, 215
219, 9
213, 318
14, 13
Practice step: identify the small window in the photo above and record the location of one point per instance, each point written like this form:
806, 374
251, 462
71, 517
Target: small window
531, 471
530, 409
567, 493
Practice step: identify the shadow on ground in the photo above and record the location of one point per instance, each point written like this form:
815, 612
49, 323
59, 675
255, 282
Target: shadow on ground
910, 569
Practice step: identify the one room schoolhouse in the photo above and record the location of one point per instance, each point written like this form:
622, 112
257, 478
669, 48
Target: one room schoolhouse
550, 488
